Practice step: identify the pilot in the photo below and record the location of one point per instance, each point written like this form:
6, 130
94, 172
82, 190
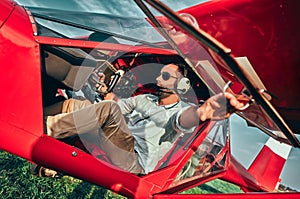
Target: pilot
137, 146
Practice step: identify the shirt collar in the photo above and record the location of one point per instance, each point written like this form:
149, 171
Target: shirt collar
155, 99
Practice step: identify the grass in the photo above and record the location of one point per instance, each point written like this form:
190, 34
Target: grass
16, 181
215, 186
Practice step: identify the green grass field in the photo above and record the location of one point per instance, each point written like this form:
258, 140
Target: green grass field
16, 181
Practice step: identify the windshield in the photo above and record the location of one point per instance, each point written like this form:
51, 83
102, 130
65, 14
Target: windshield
123, 20
113, 7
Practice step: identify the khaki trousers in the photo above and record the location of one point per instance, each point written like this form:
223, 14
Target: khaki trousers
103, 123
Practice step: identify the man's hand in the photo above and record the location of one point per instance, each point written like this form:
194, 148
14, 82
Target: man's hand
219, 107
96, 78
97, 82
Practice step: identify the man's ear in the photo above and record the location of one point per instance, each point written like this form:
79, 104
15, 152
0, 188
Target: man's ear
183, 85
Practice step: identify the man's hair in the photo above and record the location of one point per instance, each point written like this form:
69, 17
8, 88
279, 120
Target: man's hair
182, 68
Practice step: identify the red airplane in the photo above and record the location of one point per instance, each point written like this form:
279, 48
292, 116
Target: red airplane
247, 47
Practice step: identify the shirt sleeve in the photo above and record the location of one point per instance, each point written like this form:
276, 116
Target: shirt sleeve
173, 129
127, 105
177, 124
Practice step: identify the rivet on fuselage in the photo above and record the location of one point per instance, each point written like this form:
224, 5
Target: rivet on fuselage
74, 153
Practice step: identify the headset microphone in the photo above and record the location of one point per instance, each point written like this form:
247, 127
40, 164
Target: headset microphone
159, 90
181, 87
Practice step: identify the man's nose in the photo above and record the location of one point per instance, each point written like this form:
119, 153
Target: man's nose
158, 78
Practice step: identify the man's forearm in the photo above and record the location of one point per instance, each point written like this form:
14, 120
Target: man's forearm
189, 118
214, 108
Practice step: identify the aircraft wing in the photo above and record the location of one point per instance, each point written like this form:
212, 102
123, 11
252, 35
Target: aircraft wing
112, 25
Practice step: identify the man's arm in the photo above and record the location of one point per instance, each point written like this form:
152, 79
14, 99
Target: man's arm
217, 107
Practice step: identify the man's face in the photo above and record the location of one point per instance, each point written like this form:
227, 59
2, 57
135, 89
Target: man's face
168, 77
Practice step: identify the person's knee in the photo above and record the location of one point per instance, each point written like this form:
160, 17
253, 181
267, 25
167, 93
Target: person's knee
109, 102
109, 106
72, 104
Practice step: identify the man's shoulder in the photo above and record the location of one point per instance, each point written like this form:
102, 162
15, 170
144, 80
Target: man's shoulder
148, 97
185, 104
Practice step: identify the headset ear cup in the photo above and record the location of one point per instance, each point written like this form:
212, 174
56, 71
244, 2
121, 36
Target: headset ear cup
183, 86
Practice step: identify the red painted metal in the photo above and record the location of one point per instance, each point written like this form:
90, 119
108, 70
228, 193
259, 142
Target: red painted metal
21, 108
75, 162
103, 46
266, 174
6, 9
231, 196
55, 154
238, 174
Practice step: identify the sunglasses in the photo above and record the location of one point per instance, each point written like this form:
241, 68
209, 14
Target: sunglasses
166, 76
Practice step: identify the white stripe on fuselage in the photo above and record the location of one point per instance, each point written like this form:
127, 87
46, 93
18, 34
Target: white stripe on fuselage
281, 149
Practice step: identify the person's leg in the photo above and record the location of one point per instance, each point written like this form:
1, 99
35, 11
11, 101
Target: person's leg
116, 139
53, 109
71, 105
103, 120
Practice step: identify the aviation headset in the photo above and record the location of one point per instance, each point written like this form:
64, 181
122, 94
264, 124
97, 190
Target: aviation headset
183, 84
